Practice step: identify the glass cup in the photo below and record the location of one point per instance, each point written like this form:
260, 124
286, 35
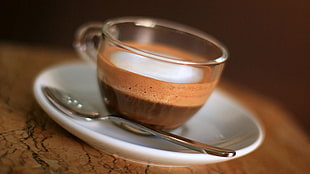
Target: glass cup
152, 71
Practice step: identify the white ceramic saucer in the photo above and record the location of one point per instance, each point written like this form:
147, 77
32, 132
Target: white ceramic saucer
221, 122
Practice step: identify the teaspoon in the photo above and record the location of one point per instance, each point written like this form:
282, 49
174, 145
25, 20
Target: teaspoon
73, 108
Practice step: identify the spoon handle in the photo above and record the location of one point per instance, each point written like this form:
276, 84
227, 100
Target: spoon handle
190, 144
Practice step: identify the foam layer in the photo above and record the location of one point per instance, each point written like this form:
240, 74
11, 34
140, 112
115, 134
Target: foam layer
155, 69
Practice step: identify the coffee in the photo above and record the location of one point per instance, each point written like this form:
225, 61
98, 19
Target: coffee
161, 94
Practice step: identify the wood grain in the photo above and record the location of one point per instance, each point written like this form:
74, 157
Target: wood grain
30, 142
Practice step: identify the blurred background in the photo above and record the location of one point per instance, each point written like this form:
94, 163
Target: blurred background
268, 40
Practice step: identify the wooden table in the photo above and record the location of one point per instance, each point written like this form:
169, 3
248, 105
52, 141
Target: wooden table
30, 142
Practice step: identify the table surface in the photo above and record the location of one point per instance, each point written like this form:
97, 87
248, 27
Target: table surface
31, 142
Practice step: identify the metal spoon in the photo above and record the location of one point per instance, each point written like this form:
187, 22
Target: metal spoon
73, 108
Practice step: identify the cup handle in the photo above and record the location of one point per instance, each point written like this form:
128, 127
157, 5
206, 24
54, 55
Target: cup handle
87, 40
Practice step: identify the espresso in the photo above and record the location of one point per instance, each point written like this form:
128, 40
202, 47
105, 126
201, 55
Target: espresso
155, 114
160, 94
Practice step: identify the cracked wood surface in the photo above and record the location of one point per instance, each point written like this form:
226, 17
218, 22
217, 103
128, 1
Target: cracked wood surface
30, 142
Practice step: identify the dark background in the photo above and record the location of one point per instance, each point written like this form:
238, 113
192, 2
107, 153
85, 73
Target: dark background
268, 40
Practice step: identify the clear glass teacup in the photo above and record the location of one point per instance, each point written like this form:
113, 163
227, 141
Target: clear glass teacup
152, 71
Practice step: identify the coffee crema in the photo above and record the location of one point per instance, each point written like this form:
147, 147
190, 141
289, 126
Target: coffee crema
161, 94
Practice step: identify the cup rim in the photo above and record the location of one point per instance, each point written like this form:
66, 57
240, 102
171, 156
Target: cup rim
152, 22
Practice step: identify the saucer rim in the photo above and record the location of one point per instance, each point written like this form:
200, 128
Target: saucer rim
178, 158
